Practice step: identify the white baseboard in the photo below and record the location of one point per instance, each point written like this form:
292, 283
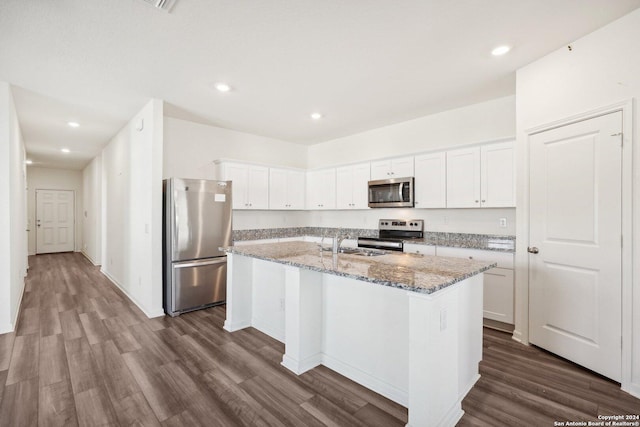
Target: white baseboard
387, 390
633, 389
469, 386
517, 336
11, 327
86, 255
300, 367
267, 328
149, 313
232, 327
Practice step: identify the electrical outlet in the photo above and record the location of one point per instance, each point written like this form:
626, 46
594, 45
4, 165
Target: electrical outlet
502, 222
443, 319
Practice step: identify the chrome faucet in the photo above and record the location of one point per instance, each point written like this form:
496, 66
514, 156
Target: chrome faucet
337, 242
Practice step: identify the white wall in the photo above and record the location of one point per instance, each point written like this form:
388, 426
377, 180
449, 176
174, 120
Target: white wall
53, 179
481, 122
475, 221
190, 149
92, 211
602, 68
13, 237
132, 209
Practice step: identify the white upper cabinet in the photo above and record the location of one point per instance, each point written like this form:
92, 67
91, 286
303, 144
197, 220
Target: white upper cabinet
481, 176
392, 168
498, 175
250, 184
321, 189
431, 180
286, 189
463, 178
352, 186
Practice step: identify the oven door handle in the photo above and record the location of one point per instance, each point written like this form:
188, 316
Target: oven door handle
379, 244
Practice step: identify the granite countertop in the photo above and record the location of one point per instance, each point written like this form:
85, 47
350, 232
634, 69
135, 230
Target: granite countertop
417, 273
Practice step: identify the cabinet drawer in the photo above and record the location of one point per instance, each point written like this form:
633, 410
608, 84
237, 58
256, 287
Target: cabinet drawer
504, 259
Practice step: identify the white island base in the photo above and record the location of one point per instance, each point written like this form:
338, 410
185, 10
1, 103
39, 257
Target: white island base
419, 350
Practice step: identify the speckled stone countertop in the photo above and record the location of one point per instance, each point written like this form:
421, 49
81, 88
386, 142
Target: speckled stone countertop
418, 273
487, 242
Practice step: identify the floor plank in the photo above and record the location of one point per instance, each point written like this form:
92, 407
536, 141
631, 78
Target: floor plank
19, 406
53, 366
24, 358
57, 406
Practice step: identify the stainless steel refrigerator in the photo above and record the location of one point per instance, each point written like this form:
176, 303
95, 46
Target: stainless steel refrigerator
197, 222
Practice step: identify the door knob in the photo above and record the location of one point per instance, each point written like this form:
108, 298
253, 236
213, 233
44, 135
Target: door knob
532, 250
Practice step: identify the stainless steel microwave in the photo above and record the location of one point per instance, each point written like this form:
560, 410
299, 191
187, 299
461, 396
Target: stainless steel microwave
391, 193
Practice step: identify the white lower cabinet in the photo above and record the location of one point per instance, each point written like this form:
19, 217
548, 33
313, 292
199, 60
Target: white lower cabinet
412, 248
498, 282
498, 295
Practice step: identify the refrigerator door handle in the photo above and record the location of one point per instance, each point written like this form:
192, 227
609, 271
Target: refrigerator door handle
219, 260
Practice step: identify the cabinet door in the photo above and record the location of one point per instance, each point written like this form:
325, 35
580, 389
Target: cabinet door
328, 189
344, 187
498, 295
258, 187
313, 190
295, 189
498, 175
361, 176
380, 169
238, 174
401, 168
277, 188
431, 181
321, 189
463, 178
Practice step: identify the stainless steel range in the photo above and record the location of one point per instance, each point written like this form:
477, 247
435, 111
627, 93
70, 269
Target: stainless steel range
393, 233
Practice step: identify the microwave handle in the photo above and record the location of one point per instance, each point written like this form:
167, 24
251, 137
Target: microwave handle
400, 191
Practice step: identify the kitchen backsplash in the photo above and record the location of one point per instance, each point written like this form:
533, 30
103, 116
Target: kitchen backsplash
462, 240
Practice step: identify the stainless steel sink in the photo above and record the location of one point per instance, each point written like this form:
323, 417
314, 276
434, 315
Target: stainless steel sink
369, 252
349, 250
356, 251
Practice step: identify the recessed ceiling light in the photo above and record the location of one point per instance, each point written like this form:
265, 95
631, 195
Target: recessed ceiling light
222, 87
65, 150
316, 116
73, 124
29, 162
500, 50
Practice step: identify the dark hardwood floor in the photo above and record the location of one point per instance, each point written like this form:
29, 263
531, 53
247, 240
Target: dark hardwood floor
83, 354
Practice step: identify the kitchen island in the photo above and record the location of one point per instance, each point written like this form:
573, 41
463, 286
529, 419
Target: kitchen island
406, 326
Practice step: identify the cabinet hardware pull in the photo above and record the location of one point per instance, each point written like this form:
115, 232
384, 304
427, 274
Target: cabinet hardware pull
533, 250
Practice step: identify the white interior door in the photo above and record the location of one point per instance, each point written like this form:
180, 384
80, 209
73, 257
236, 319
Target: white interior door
54, 221
575, 278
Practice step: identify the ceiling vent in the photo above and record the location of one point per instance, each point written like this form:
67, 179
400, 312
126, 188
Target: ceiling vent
165, 5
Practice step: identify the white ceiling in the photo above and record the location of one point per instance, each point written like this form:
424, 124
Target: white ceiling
362, 63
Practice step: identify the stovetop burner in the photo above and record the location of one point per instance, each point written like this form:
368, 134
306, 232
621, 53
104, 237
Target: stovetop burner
392, 234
